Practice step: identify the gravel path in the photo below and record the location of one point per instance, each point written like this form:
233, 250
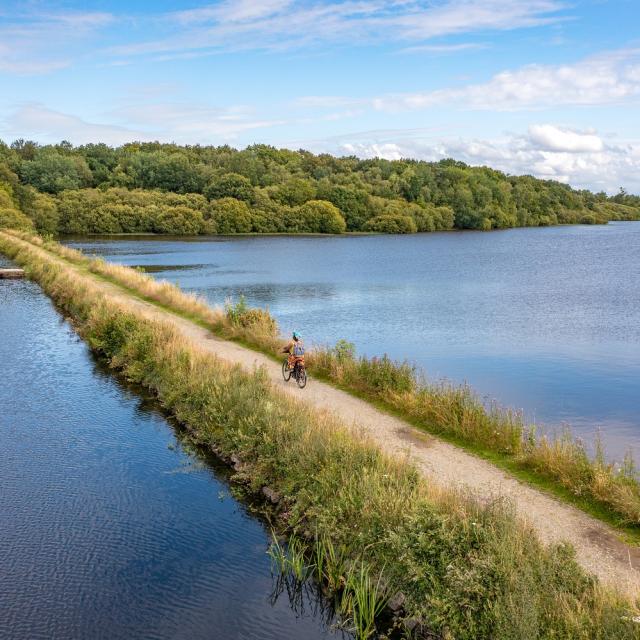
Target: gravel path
598, 548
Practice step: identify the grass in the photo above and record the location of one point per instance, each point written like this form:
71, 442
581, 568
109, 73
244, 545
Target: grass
372, 526
358, 597
558, 462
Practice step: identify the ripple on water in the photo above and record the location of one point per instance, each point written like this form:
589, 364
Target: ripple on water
108, 527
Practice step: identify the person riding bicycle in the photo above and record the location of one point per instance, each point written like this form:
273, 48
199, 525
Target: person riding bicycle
295, 349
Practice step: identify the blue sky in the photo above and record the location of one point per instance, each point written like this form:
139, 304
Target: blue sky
545, 87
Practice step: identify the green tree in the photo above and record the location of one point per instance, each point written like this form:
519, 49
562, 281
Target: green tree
322, 217
392, 223
277, 183
10, 216
54, 173
230, 185
43, 211
230, 215
295, 191
352, 202
101, 160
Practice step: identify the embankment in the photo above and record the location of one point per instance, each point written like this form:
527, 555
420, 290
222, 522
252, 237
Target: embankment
467, 570
559, 463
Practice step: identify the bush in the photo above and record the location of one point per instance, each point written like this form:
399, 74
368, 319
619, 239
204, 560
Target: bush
178, 220
230, 216
240, 315
119, 210
43, 210
322, 217
230, 185
10, 216
392, 224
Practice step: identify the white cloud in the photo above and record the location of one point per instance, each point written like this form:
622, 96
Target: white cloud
8, 64
576, 159
607, 78
194, 124
285, 24
444, 48
471, 15
552, 138
42, 41
326, 102
32, 44
168, 122
231, 11
37, 122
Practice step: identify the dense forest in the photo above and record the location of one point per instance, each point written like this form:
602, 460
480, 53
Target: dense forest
166, 188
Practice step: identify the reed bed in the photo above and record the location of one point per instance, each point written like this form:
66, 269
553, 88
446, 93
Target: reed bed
371, 525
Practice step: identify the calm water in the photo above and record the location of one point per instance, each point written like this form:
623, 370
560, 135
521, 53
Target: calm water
545, 320
109, 526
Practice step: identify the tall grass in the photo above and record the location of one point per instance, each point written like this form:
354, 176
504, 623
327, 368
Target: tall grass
467, 571
438, 407
457, 411
357, 596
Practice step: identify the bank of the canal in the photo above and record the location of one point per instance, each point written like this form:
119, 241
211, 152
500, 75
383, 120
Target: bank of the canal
111, 524
546, 320
466, 569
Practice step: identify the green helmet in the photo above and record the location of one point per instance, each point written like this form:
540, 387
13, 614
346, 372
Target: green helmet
296, 335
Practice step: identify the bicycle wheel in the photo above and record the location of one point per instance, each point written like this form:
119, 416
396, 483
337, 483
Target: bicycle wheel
286, 372
301, 378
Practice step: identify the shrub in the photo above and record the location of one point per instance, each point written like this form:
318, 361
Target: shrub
10, 216
179, 220
230, 215
230, 185
43, 210
322, 217
240, 315
391, 224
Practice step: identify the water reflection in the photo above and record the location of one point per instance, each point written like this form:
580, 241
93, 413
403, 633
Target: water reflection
547, 320
268, 294
161, 268
114, 525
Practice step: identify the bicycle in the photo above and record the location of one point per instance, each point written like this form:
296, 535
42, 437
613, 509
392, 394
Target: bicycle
298, 372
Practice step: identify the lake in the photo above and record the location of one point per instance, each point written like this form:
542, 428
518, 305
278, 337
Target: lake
546, 320
111, 524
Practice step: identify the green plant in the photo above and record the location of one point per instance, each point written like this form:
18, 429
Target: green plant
439, 407
474, 571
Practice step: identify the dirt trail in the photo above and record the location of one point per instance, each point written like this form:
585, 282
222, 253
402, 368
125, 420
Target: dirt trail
598, 549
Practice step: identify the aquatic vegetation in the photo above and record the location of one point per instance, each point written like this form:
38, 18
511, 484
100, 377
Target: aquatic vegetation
373, 525
359, 598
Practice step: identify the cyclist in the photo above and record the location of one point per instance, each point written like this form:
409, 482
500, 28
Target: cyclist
295, 349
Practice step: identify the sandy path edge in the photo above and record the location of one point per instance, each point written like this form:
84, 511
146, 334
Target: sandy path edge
598, 549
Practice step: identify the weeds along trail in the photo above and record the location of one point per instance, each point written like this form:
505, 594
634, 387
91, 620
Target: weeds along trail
359, 485
554, 461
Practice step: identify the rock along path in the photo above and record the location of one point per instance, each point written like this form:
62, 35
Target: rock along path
598, 549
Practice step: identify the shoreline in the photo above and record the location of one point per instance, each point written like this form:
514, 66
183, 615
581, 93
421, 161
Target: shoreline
506, 428
346, 234
214, 346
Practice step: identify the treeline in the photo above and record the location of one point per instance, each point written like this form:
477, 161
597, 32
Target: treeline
166, 188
